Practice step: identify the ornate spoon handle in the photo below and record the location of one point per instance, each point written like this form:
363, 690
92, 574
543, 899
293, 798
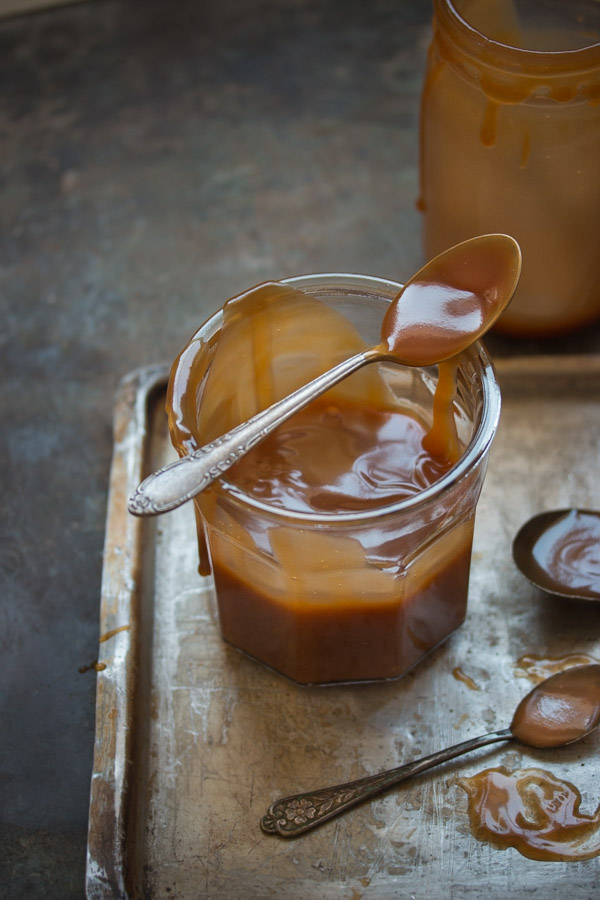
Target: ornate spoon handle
178, 482
294, 815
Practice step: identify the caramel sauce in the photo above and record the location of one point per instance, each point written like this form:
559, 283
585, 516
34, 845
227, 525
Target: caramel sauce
459, 294
441, 441
99, 666
424, 326
309, 602
95, 666
489, 124
458, 673
337, 457
532, 811
538, 668
366, 633
110, 634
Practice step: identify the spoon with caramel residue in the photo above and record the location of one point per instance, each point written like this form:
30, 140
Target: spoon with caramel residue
558, 711
559, 553
447, 306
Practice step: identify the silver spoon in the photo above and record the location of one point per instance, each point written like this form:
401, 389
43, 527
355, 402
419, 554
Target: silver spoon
559, 552
448, 305
558, 711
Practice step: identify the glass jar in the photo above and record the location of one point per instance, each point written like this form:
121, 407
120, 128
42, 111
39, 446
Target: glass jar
510, 142
342, 596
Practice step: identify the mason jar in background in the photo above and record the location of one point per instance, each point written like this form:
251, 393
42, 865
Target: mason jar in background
337, 595
510, 142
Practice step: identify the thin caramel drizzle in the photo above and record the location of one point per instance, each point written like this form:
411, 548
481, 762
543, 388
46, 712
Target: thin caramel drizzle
110, 634
442, 439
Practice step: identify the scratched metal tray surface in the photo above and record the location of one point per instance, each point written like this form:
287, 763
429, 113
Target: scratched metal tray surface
194, 740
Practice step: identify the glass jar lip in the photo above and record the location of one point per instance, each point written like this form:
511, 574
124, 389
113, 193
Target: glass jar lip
505, 56
348, 283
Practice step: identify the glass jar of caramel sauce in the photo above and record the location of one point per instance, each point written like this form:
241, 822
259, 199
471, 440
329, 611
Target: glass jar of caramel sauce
510, 142
340, 546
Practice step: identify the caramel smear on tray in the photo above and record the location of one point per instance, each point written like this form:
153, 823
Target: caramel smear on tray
538, 668
532, 811
458, 673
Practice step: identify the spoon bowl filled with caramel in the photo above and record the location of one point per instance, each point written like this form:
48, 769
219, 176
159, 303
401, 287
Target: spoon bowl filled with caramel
558, 551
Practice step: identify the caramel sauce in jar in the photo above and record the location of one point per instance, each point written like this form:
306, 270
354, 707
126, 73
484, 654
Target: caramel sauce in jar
510, 138
340, 546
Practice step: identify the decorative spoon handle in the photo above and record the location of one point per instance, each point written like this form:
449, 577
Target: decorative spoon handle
178, 482
294, 815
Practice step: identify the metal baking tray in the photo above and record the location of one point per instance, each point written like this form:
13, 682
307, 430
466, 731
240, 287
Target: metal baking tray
194, 740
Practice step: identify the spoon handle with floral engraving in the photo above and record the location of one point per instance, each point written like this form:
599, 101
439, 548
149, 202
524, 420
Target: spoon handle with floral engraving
294, 815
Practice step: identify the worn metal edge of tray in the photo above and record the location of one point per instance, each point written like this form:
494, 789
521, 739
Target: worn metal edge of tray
117, 683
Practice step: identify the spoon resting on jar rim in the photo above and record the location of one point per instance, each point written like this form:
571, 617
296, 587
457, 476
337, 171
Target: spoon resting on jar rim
560, 710
443, 309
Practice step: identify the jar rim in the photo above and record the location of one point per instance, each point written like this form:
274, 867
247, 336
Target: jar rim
506, 56
476, 450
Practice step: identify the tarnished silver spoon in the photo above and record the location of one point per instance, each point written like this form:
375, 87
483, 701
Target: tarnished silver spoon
559, 552
558, 711
443, 309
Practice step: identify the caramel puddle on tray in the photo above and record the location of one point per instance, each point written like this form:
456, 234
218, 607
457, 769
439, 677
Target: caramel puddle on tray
532, 811
458, 673
538, 668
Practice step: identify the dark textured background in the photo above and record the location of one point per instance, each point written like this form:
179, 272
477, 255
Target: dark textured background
156, 158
